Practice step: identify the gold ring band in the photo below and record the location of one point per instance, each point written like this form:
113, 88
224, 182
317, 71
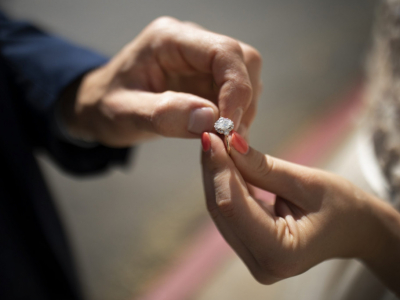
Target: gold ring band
225, 126
228, 146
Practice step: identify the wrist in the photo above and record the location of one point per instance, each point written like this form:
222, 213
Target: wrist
382, 251
61, 131
75, 110
373, 229
384, 230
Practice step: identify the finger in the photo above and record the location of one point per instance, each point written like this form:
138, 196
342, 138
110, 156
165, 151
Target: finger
295, 183
200, 84
229, 235
226, 231
208, 52
253, 61
168, 114
227, 194
195, 25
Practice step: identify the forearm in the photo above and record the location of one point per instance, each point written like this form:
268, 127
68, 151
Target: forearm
384, 261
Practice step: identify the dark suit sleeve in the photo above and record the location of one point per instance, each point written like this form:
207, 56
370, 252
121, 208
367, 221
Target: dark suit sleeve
42, 66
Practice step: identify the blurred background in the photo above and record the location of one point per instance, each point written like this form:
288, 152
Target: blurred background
127, 226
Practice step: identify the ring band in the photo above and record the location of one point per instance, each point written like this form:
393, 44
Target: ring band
225, 126
228, 146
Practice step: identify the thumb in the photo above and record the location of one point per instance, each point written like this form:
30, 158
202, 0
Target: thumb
174, 114
295, 183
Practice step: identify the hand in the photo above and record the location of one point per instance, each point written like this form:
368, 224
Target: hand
316, 216
175, 79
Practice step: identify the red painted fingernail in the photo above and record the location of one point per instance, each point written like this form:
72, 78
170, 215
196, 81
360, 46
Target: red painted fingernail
205, 141
239, 143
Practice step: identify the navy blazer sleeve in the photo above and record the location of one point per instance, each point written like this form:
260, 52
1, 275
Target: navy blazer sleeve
42, 66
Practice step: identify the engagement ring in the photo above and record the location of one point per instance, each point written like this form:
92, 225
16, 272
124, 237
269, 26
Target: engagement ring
225, 126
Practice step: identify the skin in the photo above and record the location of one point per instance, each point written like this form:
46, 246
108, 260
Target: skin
317, 216
150, 88
153, 84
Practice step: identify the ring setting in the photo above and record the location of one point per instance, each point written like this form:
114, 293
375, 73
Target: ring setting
225, 126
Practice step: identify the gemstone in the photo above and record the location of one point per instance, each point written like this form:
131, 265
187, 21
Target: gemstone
224, 126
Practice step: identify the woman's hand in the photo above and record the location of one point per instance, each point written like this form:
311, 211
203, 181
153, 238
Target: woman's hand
175, 79
316, 216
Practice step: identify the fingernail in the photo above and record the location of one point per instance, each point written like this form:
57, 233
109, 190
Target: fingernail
243, 131
239, 143
201, 119
237, 117
205, 141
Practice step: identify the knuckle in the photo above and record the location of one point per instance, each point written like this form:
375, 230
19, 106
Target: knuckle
227, 44
233, 46
159, 117
226, 208
213, 211
213, 167
114, 111
223, 195
253, 57
244, 89
193, 25
311, 184
161, 31
263, 165
164, 21
221, 205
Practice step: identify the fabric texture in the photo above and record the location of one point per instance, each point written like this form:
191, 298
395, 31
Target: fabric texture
35, 260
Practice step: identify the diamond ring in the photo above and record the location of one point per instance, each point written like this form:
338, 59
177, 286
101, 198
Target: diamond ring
224, 126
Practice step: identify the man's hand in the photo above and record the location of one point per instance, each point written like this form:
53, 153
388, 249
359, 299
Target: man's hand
316, 216
175, 79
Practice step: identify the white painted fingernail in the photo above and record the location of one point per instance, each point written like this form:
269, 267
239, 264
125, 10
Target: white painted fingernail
201, 120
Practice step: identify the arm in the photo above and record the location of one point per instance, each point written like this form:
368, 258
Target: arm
385, 261
173, 80
316, 216
44, 67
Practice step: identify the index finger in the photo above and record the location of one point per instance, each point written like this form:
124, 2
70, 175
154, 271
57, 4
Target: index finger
213, 53
298, 184
226, 192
